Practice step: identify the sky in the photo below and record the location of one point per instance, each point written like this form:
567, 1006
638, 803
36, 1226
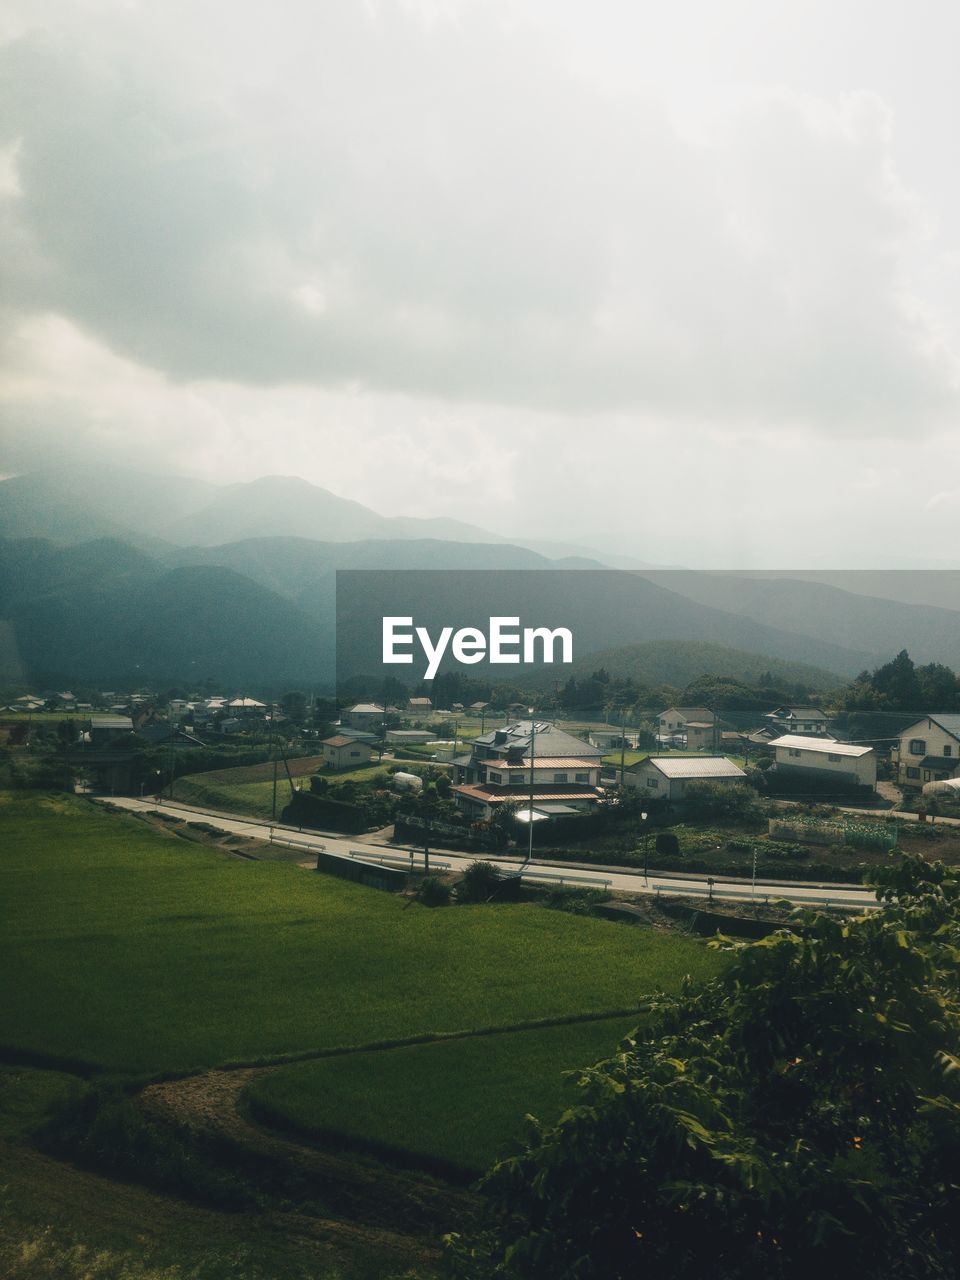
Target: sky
681, 281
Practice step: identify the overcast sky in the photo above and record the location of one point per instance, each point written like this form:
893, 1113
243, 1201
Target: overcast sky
684, 279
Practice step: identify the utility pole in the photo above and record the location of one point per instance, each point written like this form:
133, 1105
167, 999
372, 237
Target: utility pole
623, 745
533, 748
273, 810
754, 889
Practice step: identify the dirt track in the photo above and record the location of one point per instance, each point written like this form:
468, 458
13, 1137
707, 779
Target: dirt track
343, 1188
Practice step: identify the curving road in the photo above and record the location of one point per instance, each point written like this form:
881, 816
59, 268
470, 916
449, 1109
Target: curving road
624, 881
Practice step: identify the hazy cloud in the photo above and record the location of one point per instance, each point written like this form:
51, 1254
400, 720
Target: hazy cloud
433, 205
607, 276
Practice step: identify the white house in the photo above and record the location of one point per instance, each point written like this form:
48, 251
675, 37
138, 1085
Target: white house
928, 751
690, 728
821, 758
797, 720
565, 771
667, 777
364, 715
343, 752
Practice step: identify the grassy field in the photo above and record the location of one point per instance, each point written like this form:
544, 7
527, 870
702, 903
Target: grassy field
29, 1094
58, 1222
456, 1104
233, 792
132, 951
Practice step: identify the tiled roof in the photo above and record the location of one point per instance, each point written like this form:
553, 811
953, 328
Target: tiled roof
489, 796
692, 713
542, 762
949, 722
342, 740
550, 741
942, 763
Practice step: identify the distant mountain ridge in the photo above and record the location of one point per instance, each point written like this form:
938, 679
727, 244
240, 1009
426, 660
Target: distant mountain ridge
88, 545
70, 505
680, 662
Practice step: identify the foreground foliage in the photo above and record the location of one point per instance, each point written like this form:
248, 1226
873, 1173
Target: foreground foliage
798, 1115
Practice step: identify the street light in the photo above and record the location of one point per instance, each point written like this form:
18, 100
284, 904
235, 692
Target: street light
646, 849
530, 814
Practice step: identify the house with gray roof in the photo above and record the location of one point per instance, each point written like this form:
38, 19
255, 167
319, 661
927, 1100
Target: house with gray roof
822, 759
928, 751
505, 764
811, 721
667, 777
686, 727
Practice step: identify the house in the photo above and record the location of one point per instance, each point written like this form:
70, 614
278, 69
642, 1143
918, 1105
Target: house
667, 777
419, 707
410, 737
365, 715
343, 752
503, 765
245, 708
681, 726
610, 739
928, 751
104, 729
803, 720
823, 759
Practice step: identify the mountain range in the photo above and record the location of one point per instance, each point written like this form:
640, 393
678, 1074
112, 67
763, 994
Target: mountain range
113, 575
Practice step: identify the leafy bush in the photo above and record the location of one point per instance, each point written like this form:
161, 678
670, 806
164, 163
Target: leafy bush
722, 801
481, 882
798, 1115
667, 843
433, 892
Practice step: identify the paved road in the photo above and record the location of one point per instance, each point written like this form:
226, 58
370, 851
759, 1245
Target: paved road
543, 872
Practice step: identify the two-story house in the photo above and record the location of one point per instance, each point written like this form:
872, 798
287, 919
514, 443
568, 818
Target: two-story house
504, 765
807, 721
928, 751
692, 728
845, 763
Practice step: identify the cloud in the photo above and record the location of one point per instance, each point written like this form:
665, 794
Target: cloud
421, 201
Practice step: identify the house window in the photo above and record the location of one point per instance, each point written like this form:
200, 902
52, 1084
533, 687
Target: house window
833, 759
559, 777
948, 751
495, 777
913, 773
582, 777
354, 754
793, 751
517, 779
652, 782
918, 746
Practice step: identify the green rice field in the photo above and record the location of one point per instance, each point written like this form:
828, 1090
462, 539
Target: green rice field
135, 952
455, 1105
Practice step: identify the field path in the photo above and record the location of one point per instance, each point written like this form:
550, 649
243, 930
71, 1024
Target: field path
338, 1186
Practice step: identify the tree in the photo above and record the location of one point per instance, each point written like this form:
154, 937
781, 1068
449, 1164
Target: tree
798, 1115
896, 682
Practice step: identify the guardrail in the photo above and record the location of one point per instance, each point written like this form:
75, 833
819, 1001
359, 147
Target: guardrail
385, 859
747, 897
552, 875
